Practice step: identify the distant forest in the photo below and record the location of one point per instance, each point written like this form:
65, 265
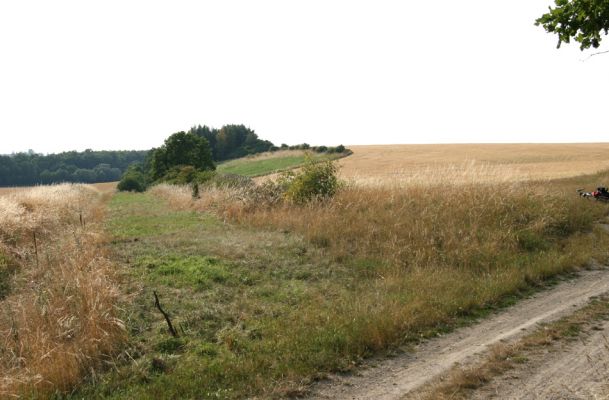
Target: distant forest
23, 169
86, 166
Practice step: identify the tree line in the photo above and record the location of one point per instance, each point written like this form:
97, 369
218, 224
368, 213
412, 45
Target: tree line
24, 169
190, 157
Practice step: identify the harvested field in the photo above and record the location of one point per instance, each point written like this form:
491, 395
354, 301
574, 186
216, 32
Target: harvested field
471, 163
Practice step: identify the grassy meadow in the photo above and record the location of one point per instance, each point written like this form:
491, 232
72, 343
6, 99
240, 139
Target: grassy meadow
270, 163
268, 297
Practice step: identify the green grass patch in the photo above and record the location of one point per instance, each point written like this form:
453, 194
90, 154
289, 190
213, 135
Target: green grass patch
256, 166
191, 271
233, 293
134, 216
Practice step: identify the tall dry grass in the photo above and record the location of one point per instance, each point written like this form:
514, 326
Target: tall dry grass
58, 316
419, 256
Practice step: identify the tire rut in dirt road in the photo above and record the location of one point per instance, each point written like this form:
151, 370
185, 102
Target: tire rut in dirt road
577, 369
396, 377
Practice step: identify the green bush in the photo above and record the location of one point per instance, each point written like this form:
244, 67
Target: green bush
132, 181
316, 180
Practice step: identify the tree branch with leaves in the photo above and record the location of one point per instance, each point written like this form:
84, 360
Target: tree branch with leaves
581, 20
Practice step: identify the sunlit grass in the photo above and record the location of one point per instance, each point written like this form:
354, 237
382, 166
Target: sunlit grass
271, 298
57, 290
270, 163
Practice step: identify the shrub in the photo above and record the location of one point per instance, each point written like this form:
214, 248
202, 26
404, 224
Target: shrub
314, 181
132, 181
266, 194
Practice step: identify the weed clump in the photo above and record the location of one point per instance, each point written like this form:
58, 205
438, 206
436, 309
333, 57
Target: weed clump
316, 181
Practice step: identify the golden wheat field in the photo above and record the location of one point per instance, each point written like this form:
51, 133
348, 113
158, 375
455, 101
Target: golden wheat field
105, 187
471, 163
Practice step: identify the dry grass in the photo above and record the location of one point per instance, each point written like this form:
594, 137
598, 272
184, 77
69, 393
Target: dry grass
471, 163
420, 256
7, 190
57, 317
105, 187
409, 260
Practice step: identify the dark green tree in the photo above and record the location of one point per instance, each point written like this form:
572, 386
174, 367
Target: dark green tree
181, 148
581, 20
209, 134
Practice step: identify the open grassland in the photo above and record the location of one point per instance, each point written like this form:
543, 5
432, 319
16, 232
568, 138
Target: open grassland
268, 297
269, 163
471, 163
57, 294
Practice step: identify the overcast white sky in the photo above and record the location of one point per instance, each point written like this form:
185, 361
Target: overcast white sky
126, 74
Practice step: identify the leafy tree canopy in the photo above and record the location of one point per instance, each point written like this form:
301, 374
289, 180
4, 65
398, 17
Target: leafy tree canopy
581, 20
232, 141
181, 149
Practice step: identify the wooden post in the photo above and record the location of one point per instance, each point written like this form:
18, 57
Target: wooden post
172, 330
36, 249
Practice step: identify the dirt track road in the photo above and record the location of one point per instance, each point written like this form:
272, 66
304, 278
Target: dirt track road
577, 370
395, 378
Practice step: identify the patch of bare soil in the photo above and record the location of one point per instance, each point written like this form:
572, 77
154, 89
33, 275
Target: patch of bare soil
577, 369
395, 378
